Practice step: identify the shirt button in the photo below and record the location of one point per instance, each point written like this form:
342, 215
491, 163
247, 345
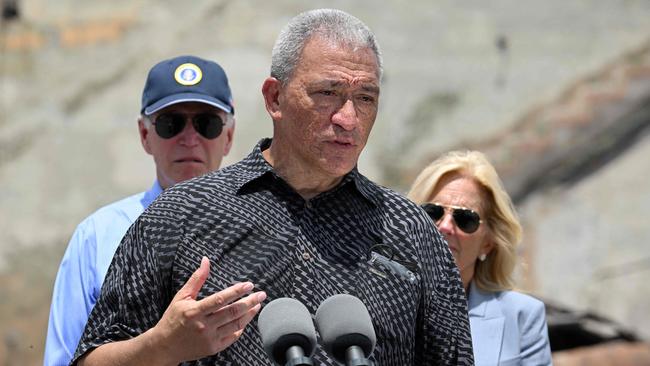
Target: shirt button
306, 256
308, 204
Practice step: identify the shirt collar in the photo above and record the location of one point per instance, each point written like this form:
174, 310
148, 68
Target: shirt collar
255, 169
151, 194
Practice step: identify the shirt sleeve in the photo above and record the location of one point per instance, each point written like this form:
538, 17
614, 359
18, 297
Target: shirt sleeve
72, 297
535, 345
444, 335
134, 294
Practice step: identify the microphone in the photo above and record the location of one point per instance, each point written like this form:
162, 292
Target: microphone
346, 330
288, 333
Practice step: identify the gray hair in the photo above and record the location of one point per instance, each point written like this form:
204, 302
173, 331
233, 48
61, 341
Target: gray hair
330, 24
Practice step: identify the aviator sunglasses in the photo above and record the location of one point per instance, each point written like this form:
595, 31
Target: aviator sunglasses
467, 220
208, 125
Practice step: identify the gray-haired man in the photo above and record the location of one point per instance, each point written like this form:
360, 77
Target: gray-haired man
295, 218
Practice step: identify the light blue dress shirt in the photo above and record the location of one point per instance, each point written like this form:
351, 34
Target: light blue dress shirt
508, 328
82, 271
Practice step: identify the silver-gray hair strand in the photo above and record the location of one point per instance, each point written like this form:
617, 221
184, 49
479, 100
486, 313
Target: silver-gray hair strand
331, 24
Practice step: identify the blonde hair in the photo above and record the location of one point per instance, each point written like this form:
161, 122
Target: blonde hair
496, 272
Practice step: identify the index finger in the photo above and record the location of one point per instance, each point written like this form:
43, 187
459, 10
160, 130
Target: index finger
224, 297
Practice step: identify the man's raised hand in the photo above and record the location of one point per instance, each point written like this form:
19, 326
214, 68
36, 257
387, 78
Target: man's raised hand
191, 329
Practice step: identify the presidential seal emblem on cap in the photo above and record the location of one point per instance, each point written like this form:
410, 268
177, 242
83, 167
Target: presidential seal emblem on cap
188, 74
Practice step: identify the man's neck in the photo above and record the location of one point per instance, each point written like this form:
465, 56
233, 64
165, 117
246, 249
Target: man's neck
306, 183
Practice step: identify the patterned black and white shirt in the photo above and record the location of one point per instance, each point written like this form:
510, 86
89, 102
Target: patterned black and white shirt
254, 227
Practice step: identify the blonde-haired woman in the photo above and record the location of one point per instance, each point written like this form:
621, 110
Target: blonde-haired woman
465, 198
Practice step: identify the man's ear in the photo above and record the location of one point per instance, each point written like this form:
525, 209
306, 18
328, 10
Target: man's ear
271, 93
144, 135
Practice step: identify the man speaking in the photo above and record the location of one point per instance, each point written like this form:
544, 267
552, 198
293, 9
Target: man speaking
296, 219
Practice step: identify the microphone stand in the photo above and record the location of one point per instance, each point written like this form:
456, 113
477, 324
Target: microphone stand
296, 357
354, 356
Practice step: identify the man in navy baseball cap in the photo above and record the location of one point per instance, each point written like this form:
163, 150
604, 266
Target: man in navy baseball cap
181, 90
186, 79
187, 124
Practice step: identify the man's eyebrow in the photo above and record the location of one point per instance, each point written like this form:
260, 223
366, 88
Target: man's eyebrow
371, 88
327, 83
331, 83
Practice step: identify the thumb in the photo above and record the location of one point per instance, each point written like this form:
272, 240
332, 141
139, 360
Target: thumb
195, 282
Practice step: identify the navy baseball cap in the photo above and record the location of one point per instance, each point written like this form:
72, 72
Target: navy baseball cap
186, 79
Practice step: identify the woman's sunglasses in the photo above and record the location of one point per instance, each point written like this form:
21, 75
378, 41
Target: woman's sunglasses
208, 125
467, 220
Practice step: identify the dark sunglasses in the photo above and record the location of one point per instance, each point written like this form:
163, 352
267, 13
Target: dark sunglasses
208, 125
467, 220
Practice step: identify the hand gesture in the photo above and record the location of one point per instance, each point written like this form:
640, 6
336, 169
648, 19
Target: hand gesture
191, 329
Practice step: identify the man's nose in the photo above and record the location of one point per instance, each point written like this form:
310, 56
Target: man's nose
346, 116
189, 136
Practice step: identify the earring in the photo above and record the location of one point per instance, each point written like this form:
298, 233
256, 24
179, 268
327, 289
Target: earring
482, 257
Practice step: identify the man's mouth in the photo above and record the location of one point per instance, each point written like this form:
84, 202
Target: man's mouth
189, 160
344, 142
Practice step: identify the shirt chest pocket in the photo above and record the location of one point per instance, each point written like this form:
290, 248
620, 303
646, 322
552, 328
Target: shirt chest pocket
392, 301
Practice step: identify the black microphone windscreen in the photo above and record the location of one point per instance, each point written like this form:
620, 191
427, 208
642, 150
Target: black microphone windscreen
284, 323
343, 321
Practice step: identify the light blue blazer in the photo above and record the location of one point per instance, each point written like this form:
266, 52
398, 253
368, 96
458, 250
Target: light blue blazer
508, 328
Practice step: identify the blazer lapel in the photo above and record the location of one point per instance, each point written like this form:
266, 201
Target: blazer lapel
487, 324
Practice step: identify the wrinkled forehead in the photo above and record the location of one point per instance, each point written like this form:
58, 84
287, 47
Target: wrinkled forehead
364, 84
347, 52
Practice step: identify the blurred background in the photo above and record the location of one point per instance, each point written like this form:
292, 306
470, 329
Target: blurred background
556, 92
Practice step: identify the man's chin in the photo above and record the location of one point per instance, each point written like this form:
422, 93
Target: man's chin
339, 170
340, 165
189, 174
